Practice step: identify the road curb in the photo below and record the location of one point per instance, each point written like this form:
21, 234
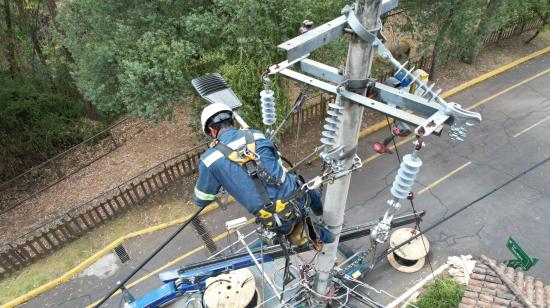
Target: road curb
364, 133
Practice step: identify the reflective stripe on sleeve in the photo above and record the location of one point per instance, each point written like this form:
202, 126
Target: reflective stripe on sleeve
283, 177
204, 196
210, 159
238, 142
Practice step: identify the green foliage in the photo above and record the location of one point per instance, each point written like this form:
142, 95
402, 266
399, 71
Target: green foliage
449, 23
140, 57
136, 57
442, 293
36, 122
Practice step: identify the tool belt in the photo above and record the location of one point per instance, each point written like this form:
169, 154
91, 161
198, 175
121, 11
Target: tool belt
278, 216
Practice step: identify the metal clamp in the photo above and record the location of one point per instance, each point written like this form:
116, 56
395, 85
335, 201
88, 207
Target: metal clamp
365, 34
462, 120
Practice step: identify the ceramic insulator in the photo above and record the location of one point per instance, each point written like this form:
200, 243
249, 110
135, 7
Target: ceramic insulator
404, 180
268, 107
332, 123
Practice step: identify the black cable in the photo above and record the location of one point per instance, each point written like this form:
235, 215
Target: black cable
410, 198
123, 282
391, 250
393, 139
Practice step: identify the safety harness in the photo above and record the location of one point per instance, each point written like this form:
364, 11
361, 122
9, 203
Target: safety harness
274, 214
282, 217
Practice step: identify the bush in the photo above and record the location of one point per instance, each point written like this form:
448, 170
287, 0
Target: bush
442, 293
37, 122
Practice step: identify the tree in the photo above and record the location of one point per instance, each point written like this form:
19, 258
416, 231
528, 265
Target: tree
493, 17
540, 9
29, 23
139, 57
10, 37
135, 56
444, 27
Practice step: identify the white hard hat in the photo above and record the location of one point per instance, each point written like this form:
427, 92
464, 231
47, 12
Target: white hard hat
211, 111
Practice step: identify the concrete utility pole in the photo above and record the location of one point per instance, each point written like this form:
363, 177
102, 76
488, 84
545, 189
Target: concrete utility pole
358, 67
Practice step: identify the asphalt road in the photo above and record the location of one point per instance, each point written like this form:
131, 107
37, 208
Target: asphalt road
512, 138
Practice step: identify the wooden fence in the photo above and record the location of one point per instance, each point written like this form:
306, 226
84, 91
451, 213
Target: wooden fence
70, 226
52, 236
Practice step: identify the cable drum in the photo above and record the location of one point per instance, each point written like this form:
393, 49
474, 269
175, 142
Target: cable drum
235, 289
410, 257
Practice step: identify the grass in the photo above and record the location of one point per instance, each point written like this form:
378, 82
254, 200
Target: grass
442, 293
157, 211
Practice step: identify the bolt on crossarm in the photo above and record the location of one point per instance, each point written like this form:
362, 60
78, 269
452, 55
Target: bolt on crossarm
358, 68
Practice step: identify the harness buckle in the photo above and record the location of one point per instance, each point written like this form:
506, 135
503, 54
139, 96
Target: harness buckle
243, 151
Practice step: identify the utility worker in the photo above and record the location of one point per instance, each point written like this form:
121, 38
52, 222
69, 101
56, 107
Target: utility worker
248, 166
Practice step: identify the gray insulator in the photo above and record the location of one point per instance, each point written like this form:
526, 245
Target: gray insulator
404, 180
427, 89
332, 123
269, 115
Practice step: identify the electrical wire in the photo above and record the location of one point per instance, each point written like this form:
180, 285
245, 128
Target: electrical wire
275, 296
463, 208
369, 287
410, 198
151, 256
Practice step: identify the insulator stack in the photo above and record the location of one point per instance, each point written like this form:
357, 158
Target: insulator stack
269, 115
332, 123
427, 90
404, 180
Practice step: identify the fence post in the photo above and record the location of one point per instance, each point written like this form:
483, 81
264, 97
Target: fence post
113, 138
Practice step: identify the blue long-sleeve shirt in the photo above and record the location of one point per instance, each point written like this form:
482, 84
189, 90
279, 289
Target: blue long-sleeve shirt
215, 171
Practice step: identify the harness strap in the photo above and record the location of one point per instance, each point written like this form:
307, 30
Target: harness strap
272, 214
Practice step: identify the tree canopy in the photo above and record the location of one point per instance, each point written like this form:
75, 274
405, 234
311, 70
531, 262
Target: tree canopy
103, 59
139, 57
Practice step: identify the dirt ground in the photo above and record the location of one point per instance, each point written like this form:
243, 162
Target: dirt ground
159, 141
151, 144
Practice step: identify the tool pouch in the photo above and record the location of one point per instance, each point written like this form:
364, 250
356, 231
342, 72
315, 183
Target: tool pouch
279, 217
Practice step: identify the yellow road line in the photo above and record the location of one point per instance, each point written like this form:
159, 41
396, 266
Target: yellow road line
176, 260
373, 128
493, 73
89, 261
443, 178
484, 101
532, 126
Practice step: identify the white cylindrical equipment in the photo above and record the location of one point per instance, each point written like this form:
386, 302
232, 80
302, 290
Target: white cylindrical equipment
269, 115
404, 180
332, 123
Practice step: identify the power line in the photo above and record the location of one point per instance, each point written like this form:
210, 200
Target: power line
391, 250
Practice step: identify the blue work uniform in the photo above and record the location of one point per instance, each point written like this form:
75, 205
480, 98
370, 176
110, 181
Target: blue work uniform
215, 170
